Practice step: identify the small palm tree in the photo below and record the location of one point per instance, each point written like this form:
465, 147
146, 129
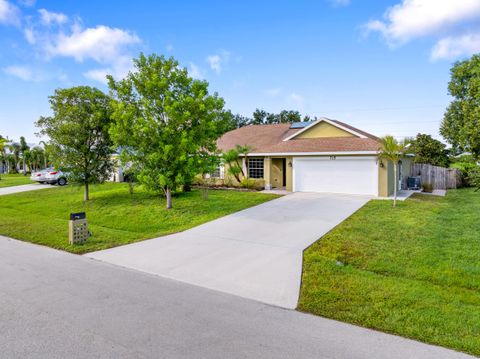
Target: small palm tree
3, 154
393, 151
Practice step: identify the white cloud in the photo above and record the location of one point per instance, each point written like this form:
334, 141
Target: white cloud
9, 14
296, 99
30, 36
338, 3
27, 3
416, 18
194, 71
105, 45
48, 18
456, 46
273, 92
217, 61
118, 69
102, 44
22, 72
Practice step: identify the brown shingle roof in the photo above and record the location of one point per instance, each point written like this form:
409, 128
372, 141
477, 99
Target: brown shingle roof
269, 139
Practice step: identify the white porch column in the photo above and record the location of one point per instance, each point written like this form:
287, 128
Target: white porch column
267, 165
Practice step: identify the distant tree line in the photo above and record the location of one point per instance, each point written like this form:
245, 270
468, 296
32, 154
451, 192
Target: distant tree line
18, 156
262, 117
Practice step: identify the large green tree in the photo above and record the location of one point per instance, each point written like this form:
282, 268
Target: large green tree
429, 150
461, 122
80, 143
167, 122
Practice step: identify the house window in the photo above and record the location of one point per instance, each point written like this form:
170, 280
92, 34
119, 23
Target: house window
217, 173
255, 167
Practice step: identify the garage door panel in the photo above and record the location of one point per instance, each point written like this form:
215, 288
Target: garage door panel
353, 175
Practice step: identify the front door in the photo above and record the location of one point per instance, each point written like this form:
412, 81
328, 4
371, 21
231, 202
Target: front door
278, 172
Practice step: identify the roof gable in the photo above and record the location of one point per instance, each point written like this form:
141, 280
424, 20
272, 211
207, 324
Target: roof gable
325, 127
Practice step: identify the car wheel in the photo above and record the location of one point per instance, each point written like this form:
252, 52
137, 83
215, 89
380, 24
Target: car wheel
62, 182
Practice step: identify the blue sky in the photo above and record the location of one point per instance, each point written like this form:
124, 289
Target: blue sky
382, 66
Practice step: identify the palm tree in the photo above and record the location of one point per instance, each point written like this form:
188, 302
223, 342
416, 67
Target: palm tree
24, 149
393, 151
3, 154
15, 151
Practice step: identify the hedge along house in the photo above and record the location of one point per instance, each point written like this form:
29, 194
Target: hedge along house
321, 156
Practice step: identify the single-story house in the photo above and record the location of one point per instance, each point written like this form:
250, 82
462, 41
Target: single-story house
321, 156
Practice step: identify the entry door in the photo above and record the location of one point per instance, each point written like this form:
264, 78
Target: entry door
336, 174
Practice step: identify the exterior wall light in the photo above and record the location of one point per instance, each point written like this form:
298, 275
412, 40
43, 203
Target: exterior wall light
290, 164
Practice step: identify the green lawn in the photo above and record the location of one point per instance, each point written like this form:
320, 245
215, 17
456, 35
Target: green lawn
114, 216
14, 180
412, 271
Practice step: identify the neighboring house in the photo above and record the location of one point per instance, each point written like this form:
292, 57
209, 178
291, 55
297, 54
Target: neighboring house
321, 156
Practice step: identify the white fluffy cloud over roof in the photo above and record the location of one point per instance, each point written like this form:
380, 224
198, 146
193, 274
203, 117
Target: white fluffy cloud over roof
411, 19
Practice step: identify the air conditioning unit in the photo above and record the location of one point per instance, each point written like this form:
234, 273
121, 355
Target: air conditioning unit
414, 183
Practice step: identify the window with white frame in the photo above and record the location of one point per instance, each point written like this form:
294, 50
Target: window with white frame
255, 167
217, 173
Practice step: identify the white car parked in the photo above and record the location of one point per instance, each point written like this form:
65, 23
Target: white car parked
40, 175
56, 177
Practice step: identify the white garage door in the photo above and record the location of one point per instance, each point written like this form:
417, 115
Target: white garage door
352, 175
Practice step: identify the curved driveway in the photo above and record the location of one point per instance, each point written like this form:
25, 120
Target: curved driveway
255, 253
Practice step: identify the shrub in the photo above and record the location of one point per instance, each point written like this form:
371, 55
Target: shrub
427, 187
251, 183
466, 168
474, 177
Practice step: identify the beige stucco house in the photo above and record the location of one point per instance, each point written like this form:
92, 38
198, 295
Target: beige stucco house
321, 156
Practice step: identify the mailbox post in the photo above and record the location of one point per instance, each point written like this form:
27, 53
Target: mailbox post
77, 228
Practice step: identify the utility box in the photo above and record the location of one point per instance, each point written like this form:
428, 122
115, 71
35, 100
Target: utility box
77, 228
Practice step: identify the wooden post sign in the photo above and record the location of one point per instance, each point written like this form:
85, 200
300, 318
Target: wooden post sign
77, 228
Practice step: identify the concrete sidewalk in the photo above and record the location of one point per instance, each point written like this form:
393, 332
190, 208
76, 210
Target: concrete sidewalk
22, 188
59, 305
255, 253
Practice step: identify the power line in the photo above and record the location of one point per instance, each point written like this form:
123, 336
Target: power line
388, 108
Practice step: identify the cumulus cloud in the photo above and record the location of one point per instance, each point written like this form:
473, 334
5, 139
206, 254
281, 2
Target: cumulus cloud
9, 13
456, 46
24, 73
48, 17
217, 61
416, 18
412, 19
102, 44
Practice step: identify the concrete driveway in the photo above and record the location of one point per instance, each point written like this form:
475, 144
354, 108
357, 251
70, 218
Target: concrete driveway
22, 188
255, 253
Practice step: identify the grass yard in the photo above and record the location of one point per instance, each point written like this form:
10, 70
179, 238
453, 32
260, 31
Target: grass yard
9, 180
114, 216
412, 271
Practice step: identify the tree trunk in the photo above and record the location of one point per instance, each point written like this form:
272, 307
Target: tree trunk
395, 184
24, 169
86, 196
168, 193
